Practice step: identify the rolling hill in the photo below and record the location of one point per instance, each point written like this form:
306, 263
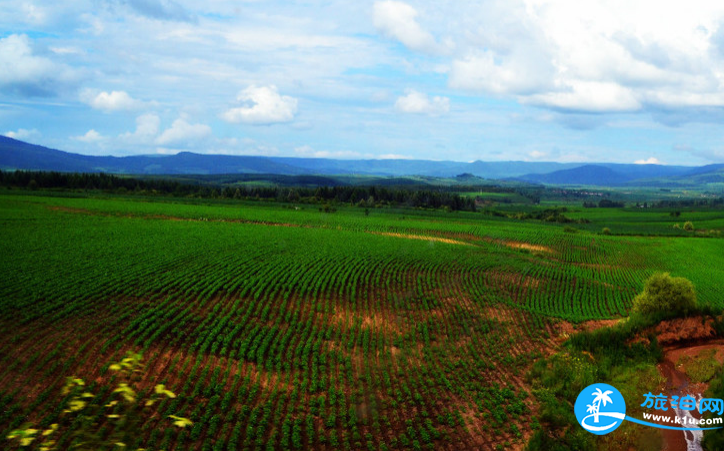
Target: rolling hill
16, 154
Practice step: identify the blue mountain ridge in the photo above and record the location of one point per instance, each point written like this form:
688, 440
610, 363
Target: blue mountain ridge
15, 154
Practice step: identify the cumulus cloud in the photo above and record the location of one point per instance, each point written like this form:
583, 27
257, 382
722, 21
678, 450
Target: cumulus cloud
421, 103
398, 20
24, 73
651, 160
23, 134
482, 72
91, 137
263, 105
591, 56
147, 128
590, 97
183, 133
110, 101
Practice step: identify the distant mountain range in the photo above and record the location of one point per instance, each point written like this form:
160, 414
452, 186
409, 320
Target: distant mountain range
16, 154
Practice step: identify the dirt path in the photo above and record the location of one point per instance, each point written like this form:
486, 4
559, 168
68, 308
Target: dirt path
679, 384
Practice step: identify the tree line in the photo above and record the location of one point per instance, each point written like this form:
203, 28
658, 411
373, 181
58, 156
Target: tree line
362, 196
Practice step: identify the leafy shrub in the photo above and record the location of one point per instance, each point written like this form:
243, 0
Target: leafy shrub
689, 226
674, 296
124, 414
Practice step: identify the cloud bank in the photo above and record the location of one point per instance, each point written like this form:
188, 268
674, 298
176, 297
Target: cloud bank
24, 73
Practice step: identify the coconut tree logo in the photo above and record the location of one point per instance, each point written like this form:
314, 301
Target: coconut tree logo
599, 397
607, 403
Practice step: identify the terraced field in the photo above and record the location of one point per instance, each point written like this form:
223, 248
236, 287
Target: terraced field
289, 328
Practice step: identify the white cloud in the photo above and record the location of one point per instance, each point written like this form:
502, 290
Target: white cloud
264, 106
590, 97
91, 137
651, 160
397, 20
591, 56
481, 72
421, 103
346, 64
22, 72
66, 50
35, 14
23, 134
183, 133
394, 156
537, 154
110, 101
309, 152
147, 128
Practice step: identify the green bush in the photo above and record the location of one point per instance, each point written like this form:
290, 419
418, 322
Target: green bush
673, 296
606, 231
689, 226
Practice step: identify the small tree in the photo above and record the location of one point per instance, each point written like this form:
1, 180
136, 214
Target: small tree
689, 226
666, 294
606, 231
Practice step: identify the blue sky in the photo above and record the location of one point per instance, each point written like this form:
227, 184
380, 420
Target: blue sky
536, 80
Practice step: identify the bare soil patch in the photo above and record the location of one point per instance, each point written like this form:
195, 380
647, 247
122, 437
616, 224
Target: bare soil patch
527, 246
684, 329
564, 329
422, 237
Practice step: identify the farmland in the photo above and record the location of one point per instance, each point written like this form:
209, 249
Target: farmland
281, 326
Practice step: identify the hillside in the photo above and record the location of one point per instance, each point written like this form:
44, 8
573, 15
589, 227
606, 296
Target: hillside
16, 154
584, 175
302, 329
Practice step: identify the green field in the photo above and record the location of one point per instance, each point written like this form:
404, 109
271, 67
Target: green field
283, 327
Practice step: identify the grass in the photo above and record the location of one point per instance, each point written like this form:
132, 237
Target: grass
701, 367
